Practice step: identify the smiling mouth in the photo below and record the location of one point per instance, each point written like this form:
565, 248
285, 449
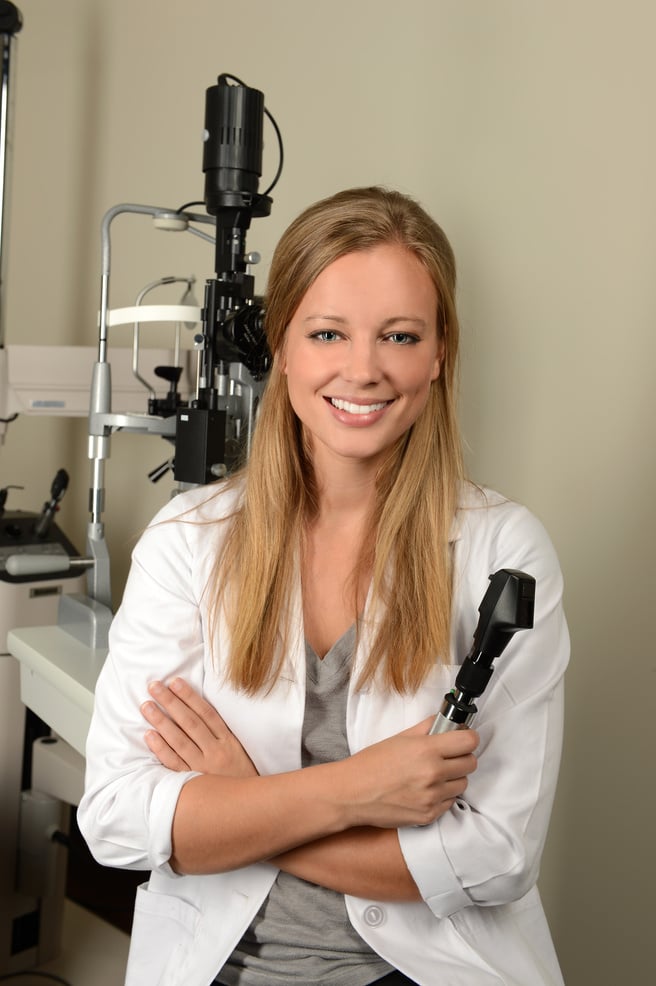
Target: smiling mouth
357, 408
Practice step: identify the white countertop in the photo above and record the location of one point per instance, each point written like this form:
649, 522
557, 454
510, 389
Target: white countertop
58, 677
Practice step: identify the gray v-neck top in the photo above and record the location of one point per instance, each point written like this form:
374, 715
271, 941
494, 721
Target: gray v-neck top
302, 932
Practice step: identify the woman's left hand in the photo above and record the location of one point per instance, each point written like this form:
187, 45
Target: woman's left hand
189, 734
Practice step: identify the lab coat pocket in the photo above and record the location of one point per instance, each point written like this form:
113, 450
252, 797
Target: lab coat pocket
163, 931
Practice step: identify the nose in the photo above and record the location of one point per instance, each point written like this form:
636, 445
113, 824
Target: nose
362, 364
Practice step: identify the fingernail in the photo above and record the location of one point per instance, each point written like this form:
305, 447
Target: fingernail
155, 687
176, 685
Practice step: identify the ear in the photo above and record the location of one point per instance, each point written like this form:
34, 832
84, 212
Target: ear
439, 359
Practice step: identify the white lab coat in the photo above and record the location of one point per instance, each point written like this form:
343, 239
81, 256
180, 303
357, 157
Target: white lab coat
481, 921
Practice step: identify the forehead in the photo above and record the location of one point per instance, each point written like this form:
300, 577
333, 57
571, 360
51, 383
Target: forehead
387, 277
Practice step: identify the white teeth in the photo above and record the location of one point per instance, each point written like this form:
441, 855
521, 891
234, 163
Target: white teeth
357, 408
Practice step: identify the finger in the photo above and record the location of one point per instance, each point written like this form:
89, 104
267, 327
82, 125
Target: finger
189, 710
179, 712
456, 743
419, 728
450, 793
166, 756
454, 788
454, 767
177, 738
203, 709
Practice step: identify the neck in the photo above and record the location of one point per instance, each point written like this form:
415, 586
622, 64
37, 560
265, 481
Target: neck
347, 487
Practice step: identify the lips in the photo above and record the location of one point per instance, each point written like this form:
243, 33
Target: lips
352, 408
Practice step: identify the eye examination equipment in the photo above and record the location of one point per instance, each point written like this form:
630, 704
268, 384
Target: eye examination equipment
213, 376
507, 606
211, 429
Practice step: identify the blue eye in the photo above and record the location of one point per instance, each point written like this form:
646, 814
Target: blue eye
325, 335
402, 339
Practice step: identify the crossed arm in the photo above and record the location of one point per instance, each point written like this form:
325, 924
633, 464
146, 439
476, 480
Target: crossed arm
334, 824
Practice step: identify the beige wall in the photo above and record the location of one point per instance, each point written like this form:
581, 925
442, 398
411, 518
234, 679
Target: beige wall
528, 130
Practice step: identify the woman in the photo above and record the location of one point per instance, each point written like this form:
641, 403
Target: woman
297, 627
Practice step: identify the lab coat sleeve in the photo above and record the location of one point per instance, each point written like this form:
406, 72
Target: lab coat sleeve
127, 810
486, 850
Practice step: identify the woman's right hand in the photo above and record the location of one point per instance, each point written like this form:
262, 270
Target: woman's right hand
411, 778
189, 734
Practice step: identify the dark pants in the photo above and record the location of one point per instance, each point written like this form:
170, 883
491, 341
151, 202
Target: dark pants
394, 979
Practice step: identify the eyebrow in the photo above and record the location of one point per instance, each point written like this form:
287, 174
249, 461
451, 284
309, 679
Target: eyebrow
386, 324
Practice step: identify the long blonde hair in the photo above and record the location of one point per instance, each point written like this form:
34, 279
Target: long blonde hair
407, 545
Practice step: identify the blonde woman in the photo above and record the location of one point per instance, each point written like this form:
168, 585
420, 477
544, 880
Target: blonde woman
296, 628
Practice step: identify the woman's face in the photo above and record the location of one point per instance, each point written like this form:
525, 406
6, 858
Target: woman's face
361, 352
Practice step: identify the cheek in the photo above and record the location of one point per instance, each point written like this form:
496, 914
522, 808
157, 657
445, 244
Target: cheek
295, 388
292, 368
419, 390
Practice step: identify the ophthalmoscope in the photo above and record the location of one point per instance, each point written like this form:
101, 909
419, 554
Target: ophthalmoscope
507, 606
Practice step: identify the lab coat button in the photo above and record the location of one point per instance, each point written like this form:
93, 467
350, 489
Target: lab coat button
374, 916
